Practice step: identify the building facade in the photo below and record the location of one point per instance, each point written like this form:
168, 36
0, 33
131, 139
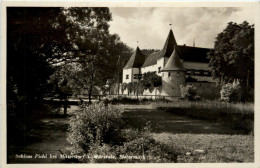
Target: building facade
177, 65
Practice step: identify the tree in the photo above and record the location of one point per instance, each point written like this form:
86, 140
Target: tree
38, 38
233, 56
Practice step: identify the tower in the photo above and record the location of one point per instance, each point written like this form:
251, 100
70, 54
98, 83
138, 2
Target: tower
131, 71
173, 75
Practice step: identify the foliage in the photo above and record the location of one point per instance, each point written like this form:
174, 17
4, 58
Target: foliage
231, 92
142, 144
149, 81
94, 124
233, 56
149, 51
38, 38
188, 92
99, 130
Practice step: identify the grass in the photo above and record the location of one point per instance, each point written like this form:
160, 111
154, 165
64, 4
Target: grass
239, 116
216, 148
220, 144
211, 106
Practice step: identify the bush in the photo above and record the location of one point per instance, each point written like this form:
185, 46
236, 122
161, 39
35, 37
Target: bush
188, 92
138, 147
141, 144
231, 92
94, 124
97, 132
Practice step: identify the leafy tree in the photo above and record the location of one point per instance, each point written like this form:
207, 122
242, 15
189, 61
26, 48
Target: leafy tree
38, 38
151, 80
233, 56
188, 92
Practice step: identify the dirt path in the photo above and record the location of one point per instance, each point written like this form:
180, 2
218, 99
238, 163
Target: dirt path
46, 138
49, 136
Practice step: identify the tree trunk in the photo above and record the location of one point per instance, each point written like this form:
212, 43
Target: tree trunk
89, 95
65, 106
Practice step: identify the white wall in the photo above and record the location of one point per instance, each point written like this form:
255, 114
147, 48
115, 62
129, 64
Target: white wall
127, 72
160, 63
151, 68
135, 71
131, 73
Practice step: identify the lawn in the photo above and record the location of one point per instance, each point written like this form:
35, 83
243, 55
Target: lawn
195, 140
213, 147
215, 141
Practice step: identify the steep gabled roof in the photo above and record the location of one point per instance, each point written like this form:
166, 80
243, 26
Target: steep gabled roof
136, 60
194, 54
174, 63
169, 46
151, 59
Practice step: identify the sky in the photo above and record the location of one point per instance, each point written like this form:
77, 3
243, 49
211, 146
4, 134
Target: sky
150, 26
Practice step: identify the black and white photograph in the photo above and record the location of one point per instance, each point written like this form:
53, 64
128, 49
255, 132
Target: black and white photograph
106, 84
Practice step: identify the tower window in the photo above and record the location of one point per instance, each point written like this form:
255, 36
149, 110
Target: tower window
159, 69
169, 74
127, 77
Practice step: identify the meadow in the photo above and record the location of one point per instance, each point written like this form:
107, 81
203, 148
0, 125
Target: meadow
156, 131
238, 116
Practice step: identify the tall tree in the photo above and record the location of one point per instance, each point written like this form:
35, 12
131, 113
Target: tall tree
233, 56
38, 38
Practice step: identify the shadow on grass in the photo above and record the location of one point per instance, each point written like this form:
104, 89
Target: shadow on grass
162, 121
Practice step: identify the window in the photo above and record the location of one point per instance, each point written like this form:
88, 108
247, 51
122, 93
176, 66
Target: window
127, 77
135, 76
197, 72
169, 74
178, 73
159, 69
192, 72
140, 76
206, 73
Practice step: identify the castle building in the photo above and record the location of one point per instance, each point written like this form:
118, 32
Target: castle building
177, 65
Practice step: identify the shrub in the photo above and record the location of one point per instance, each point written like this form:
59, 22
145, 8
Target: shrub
231, 92
97, 131
188, 92
94, 124
140, 143
138, 147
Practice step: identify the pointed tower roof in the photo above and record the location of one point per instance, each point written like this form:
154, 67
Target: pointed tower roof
174, 63
136, 60
169, 46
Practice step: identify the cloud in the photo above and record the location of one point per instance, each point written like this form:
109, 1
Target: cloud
150, 26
